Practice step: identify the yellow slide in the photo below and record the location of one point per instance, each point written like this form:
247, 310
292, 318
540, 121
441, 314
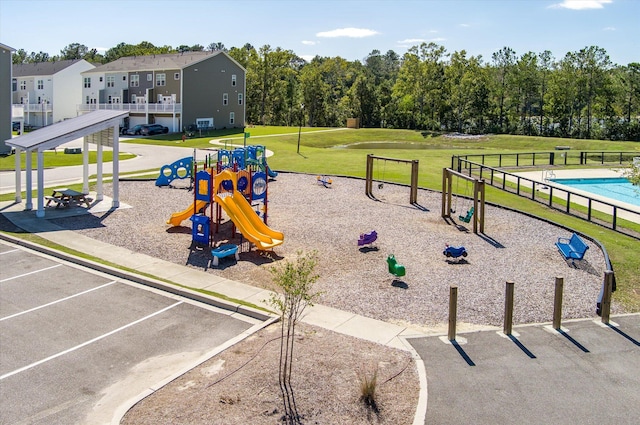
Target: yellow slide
179, 217
247, 221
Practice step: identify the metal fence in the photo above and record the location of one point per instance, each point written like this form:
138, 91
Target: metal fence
562, 156
596, 211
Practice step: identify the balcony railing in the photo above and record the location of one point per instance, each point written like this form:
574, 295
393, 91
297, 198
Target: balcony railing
31, 108
140, 108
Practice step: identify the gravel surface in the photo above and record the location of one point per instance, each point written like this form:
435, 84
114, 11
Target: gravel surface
514, 248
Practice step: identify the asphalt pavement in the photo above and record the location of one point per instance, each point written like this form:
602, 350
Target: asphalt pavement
79, 346
588, 373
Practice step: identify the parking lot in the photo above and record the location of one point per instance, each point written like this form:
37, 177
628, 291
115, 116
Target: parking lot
79, 346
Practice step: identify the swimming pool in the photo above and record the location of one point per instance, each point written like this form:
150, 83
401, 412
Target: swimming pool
617, 188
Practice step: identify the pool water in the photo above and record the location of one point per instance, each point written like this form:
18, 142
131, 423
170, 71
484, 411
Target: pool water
617, 188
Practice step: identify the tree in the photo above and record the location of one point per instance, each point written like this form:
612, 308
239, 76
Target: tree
504, 61
19, 57
214, 47
74, 51
546, 63
294, 281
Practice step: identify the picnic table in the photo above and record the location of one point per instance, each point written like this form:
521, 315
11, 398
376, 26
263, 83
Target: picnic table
64, 197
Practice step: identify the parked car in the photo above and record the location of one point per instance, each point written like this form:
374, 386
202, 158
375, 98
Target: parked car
136, 130
15, 126
150, 129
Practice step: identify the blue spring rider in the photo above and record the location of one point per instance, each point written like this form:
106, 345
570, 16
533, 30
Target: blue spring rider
454, 251
395, 269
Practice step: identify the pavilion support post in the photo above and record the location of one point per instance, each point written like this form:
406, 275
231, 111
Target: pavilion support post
40, 211
85, 164
116, 168
18, 166
99, 177
29, 181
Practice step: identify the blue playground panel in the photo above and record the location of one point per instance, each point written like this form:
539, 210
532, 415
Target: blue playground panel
171, 172
200, 229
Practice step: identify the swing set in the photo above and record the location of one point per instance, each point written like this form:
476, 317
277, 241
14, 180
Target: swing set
413, 195
475, 212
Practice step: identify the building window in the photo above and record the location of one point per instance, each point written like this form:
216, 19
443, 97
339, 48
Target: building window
87, 100
233, 80
100, 79
176, 76
149, 77
232, 117
133, 96
204, 122
225, 99
111, 81
14, 84
161, 79
135, 81
124, 78
40, 84
23, 85
239, 98
87, 82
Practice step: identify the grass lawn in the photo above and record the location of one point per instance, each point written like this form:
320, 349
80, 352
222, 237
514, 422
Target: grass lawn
57, 158
343, 152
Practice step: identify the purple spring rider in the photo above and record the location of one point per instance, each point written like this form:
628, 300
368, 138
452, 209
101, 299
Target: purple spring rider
367, 238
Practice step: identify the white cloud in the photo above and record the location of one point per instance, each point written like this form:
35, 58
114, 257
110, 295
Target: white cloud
308, 43
308, 58
580, 4
347, 32
465, 25
609, 28
412, 41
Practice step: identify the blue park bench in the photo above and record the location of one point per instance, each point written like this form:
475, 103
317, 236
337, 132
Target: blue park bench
572, 248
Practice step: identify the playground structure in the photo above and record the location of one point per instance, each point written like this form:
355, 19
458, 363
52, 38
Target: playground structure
413, 195
181, 169
474, 214
234, 182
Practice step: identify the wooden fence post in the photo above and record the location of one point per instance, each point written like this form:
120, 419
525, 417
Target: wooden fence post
453, 307
606, 296
508, 309
557, 304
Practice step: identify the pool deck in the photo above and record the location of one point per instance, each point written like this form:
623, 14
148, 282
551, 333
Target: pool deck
539, 176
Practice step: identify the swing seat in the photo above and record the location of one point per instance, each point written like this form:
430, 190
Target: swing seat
466, 218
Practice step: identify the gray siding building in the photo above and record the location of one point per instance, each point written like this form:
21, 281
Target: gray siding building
175, 90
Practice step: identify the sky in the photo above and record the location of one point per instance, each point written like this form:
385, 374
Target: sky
350, 29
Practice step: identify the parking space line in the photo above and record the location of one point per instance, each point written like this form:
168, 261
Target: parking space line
57, 301
9, 252
91, 341
33, 272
